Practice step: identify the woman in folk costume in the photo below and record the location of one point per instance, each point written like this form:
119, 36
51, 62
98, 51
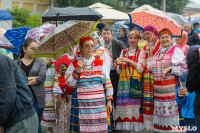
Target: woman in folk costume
129, 109
151, 35
89, 111
64, 96
48, 117
182, 42
167, 62
101, 52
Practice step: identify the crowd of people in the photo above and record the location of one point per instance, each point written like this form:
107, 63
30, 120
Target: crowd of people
144, 82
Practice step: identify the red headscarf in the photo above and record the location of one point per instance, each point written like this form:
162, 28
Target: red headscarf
83, 39
62, 60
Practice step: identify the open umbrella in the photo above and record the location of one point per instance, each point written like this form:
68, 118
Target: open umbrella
39, 32
5, 43
116, 29
16, 37
63, 37
179, 18
159, 20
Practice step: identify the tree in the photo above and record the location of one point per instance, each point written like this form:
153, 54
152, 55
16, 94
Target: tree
175, 6
23, 18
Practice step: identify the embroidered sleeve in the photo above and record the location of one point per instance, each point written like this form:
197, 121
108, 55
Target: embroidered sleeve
179, 65
107, 60
69, 76
107, 81
141, 61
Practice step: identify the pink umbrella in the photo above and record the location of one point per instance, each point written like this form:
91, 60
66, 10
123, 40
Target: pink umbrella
157, 19
5, 43
39, 32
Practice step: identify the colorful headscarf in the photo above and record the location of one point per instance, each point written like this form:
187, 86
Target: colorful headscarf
165, 31
83, 39
136, 33
150, 28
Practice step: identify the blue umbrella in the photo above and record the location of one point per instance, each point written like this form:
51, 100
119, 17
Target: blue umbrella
16, 37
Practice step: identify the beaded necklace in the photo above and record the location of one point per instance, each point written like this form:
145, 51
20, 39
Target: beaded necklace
163, 53
91, 68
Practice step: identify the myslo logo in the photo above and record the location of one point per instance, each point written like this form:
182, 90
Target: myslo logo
184, 128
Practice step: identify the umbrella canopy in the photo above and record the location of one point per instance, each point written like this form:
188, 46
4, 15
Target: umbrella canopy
2, 31
5, 43
39, 32
178, 18
122, 23
16, 37
116, 29
159, 20
70, 13
63, 37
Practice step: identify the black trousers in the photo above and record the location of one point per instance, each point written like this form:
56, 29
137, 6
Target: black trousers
114, 80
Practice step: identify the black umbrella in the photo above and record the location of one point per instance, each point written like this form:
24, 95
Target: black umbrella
71, 13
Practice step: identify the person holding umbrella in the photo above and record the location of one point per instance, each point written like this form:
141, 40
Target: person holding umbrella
89, 111
168, 62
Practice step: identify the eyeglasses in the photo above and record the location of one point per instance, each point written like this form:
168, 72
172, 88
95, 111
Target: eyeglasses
88, 46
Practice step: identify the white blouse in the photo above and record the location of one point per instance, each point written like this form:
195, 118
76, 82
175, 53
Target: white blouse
73, 82
178, 62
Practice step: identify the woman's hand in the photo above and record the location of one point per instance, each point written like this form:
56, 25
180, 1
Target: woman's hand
123, 60
109, 106
149, 50
182, 92
165, 72
48, 62
79, 66
32, 81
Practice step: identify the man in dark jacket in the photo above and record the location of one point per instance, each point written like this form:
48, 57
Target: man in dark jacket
16, 104
115, 47
193, 38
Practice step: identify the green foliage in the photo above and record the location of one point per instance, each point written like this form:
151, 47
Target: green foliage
174, 6
23, 18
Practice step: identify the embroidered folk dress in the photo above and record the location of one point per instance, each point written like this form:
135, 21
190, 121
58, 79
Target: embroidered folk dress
148, 82
89, 110
49, 119
128, 109
165, 107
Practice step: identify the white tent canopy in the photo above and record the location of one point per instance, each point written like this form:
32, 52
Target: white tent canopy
109, 13
144, 8
99, 5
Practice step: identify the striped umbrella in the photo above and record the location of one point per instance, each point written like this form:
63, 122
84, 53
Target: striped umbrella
16, 37
157, 19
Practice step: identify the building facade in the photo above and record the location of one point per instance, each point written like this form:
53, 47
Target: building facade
35, 6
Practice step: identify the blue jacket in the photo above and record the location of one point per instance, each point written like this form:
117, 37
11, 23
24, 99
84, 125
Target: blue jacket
16, 100
186, 101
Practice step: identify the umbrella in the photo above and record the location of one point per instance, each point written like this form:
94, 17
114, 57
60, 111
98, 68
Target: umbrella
159, 20
116, 29
2, 31
5, 43
63, 37
71, 13
178, 18
122, 23
16, 37
39, 32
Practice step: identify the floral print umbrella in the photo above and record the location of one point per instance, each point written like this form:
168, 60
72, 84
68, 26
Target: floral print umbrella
39, 32
159, 20
64, 37
16, 37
